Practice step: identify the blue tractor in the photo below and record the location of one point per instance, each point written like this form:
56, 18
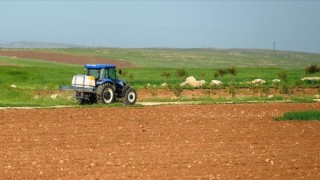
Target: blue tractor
101, 85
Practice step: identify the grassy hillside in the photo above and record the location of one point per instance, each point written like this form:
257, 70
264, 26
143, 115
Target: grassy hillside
35, 81
202, 58
29, 73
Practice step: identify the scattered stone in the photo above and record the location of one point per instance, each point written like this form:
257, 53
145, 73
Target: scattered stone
257, 81
310, 79
216, 82
276, 80
164, 85
193, 82
54, 96
270, 96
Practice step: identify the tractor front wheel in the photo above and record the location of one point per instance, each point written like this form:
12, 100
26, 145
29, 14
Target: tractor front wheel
105, 94
130, 97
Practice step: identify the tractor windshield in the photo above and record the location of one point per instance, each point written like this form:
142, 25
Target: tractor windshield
102, 73
93, 72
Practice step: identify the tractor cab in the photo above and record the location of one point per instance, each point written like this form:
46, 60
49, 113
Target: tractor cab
101, 71
104, 73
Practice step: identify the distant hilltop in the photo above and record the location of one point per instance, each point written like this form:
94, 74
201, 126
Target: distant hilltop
33, 44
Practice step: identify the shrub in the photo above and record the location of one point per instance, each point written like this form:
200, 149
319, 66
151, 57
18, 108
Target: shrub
232, 90
216, 75
182, 73
283, 75
221, 72
312, 69
166, 75
232, 71
176, 89
284, 88
266, 90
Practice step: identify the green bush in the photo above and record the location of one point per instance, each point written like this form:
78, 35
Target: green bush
176, 89
312, 69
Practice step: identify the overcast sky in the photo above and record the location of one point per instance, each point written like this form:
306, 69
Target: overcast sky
293, 24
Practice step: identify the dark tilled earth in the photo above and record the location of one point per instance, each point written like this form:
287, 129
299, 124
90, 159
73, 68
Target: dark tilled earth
64, 58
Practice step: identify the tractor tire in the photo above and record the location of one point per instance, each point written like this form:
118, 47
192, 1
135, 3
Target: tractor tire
105, 94
79, 100
130, 97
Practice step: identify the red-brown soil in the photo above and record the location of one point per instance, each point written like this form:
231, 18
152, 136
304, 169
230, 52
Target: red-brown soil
149, 94
64, 58
226, 141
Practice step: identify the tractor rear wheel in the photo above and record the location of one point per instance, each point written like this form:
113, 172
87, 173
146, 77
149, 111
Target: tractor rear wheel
130, 96
105, 94
81, 101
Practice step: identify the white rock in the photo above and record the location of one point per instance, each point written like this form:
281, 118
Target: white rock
311, 78
190, 79
13, 86
257, 81
54, 96
164, 85
216, 82
276, 80
193, 82
270, 96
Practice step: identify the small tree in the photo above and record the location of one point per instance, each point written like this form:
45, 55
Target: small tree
181, 73
166, 75
284, 88
222, 72
216, 75
312, 69
232, 89
232, 71
176, 89
283, 75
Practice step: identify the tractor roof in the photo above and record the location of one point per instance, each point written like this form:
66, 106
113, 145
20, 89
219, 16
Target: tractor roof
99, 66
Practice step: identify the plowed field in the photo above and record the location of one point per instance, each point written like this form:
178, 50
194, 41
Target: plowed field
224, 141
64, 58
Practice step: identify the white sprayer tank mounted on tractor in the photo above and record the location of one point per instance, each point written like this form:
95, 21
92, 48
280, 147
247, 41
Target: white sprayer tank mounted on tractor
101, 85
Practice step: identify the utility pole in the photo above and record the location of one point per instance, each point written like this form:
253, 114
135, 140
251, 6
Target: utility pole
274, 47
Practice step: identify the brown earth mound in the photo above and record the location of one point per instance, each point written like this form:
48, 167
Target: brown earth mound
226, 141
64, 58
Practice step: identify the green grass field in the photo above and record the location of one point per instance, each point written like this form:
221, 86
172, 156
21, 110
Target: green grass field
31, 77
201, 58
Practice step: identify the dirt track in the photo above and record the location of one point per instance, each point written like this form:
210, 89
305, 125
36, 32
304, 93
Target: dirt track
187, 141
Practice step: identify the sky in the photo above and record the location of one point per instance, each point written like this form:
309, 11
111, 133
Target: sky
292, 25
